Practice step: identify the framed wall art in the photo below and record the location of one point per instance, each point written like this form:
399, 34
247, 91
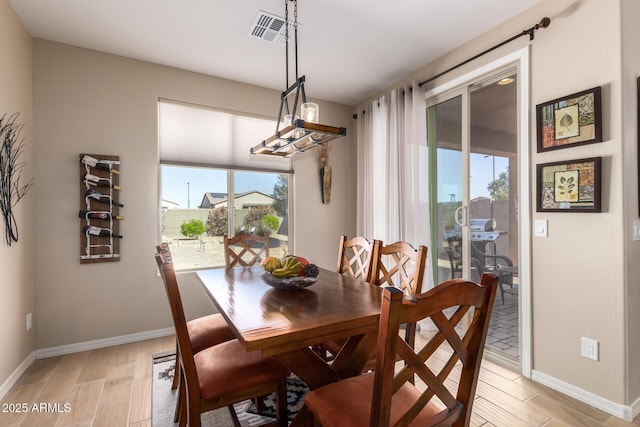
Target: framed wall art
569, 186
571, 120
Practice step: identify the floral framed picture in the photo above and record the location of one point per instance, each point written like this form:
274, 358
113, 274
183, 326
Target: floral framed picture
571, 120
569, 186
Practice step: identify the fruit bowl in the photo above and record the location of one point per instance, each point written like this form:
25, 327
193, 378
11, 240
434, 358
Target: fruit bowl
287, 283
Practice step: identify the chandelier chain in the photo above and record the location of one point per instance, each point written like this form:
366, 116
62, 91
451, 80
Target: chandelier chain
286, 41
295, 29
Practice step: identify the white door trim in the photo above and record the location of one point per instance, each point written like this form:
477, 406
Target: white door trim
520, 59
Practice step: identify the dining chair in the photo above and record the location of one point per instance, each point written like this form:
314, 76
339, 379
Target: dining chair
402, 266
220, 375
245, 249
205, 331
447, 365
355, 259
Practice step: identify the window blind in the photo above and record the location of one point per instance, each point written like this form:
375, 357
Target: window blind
197, 135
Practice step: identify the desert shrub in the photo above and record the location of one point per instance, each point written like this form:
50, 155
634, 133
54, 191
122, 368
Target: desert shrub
218, 221
192, 228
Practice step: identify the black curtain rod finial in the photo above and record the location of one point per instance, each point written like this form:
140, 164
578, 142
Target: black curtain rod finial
544, 23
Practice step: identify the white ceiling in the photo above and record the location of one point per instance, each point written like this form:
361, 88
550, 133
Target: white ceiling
348, 49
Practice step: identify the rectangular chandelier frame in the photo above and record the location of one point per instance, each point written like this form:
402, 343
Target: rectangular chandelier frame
300, 135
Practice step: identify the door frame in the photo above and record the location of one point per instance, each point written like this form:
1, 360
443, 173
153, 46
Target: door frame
519, 59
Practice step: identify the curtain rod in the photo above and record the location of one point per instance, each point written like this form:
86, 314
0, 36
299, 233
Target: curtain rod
544, 23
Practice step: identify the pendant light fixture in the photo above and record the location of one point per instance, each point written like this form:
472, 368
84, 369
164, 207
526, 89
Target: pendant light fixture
296, 132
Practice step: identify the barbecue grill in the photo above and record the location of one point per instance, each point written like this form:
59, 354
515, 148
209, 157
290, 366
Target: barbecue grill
481, 230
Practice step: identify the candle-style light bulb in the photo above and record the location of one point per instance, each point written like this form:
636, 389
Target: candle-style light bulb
310, 112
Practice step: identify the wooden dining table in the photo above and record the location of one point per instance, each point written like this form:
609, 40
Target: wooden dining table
284, 324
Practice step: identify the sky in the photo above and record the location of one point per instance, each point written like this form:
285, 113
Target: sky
481, 171
187, 185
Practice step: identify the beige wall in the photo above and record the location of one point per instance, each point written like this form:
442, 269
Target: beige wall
93, 102
16, 261
578, 271
585, 274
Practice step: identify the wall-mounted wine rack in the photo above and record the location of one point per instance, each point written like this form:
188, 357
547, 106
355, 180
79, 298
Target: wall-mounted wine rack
100, 205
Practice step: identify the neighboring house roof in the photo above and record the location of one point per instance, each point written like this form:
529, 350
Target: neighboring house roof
210, 199
168, 203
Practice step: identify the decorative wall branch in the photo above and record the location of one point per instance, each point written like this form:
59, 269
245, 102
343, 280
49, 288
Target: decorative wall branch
325, 173
11, 187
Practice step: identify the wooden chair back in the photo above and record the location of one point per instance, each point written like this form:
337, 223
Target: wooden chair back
164, 251
245, 249
185, 352
446, 305
355, 257
400, 265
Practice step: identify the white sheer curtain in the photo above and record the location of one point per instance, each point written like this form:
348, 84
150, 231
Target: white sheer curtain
393, 197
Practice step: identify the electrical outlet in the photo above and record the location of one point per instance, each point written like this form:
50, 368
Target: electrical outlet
589, 348
29, 321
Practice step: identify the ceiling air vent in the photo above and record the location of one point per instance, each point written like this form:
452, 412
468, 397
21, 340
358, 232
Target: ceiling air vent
270, 28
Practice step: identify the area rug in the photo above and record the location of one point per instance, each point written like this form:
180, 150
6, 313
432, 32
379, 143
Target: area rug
164, 400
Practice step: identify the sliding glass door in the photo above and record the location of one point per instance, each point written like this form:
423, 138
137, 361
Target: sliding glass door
473, 151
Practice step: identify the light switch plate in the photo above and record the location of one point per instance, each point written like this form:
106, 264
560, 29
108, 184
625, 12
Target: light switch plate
540, 228
636, 229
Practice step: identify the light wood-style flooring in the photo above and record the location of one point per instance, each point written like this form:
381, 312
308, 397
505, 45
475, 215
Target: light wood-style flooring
112, 387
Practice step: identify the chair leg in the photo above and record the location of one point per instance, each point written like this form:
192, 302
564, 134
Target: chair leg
259, 402
182, 412
193, 409
176, 370
234, 416
410, 338
281, 403
304, 418
178, 413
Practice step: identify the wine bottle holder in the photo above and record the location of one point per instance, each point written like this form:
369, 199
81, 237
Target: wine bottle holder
99, 213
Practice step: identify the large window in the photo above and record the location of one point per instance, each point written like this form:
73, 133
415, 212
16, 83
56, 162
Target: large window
210, 185
198, 209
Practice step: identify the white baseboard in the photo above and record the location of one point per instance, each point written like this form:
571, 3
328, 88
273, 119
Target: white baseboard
105, 342
635, 408
625, 412
15, 376
74, 348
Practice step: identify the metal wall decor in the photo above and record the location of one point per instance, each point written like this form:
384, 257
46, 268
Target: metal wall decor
12, 186
571, 120
99, 208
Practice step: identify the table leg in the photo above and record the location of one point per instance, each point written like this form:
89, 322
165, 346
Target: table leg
316, 372
354, 355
